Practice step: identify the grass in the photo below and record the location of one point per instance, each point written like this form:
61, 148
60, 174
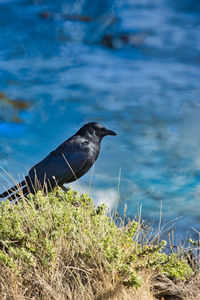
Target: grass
60, 246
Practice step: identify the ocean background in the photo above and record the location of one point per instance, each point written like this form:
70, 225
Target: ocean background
132, 65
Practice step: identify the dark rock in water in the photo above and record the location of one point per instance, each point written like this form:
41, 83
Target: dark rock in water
123, 39
50, 14
108, 41
81, 18
46, 14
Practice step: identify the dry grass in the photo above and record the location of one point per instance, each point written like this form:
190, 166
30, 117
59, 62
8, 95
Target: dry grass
45, 286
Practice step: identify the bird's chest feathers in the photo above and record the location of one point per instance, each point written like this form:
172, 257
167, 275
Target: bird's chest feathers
93, 150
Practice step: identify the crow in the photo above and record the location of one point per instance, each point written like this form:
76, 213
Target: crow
65, 164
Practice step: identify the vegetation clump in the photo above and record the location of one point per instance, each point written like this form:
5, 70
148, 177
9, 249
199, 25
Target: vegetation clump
60, 246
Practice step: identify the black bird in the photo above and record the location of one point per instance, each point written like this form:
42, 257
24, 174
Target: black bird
65, 164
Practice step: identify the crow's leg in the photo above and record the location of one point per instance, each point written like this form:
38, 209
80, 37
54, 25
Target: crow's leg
64, 188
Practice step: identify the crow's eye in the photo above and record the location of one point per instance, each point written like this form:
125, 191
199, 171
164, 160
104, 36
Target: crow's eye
85, 143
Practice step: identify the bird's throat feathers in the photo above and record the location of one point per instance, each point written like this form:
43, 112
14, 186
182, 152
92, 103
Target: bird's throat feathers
93, 137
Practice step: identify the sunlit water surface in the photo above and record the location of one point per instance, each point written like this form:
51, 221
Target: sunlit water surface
146, 89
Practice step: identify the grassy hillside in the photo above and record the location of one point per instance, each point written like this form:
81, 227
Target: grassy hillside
60, 246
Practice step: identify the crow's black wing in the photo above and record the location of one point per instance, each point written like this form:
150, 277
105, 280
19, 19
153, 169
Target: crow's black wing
61, 164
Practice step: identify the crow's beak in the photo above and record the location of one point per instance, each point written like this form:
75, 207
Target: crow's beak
110, 132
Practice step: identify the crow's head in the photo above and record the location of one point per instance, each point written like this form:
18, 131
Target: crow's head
94, 129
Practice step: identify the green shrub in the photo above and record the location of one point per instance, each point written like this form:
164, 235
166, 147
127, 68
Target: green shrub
64, 231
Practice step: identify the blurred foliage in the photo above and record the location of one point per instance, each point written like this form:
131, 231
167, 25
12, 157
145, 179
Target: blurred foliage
16, 104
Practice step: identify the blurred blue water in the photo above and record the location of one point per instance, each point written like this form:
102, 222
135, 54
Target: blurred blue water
144, 86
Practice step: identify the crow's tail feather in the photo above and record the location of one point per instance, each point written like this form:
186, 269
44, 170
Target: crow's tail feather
27, 186
18, 195
15, 193
13, 189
